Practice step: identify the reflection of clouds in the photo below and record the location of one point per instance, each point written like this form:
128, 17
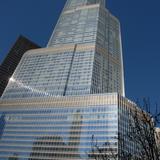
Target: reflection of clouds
12, 117
28, 87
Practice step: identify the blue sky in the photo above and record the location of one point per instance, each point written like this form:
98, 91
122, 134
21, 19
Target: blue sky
140, 25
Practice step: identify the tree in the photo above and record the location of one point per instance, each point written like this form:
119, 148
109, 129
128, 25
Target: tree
141, 134
106, 152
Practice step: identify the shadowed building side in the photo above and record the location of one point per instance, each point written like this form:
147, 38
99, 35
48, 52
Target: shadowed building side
13, 58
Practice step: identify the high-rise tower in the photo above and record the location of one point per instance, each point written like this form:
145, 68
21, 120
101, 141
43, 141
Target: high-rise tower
83, 56
60, 98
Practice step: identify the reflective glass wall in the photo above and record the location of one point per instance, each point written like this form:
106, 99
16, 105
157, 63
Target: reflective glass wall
47, 73
68, 128
76, 26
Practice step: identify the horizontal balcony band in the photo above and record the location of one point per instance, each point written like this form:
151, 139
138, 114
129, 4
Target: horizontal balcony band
62, 125
61, 49
59, 146
67, 101
51, 120
42, 135
46, 152
44, 158
60, 130
69, 141
81, 8
69, 113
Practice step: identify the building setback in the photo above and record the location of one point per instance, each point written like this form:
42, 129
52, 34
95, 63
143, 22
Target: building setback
12, 59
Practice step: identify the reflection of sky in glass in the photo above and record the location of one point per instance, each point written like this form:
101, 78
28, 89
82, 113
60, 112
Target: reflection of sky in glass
32, 89
74, 127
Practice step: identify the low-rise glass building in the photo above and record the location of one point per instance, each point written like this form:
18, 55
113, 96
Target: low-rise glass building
63, 127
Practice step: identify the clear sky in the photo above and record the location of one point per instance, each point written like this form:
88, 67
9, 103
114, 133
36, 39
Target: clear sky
140, 23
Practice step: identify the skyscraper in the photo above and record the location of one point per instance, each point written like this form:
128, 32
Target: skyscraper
11, 61
60, 99
83, 56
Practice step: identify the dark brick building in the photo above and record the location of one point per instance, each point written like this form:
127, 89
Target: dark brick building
12, 59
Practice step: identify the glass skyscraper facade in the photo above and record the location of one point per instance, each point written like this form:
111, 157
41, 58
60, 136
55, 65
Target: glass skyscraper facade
83, 56
64, 98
